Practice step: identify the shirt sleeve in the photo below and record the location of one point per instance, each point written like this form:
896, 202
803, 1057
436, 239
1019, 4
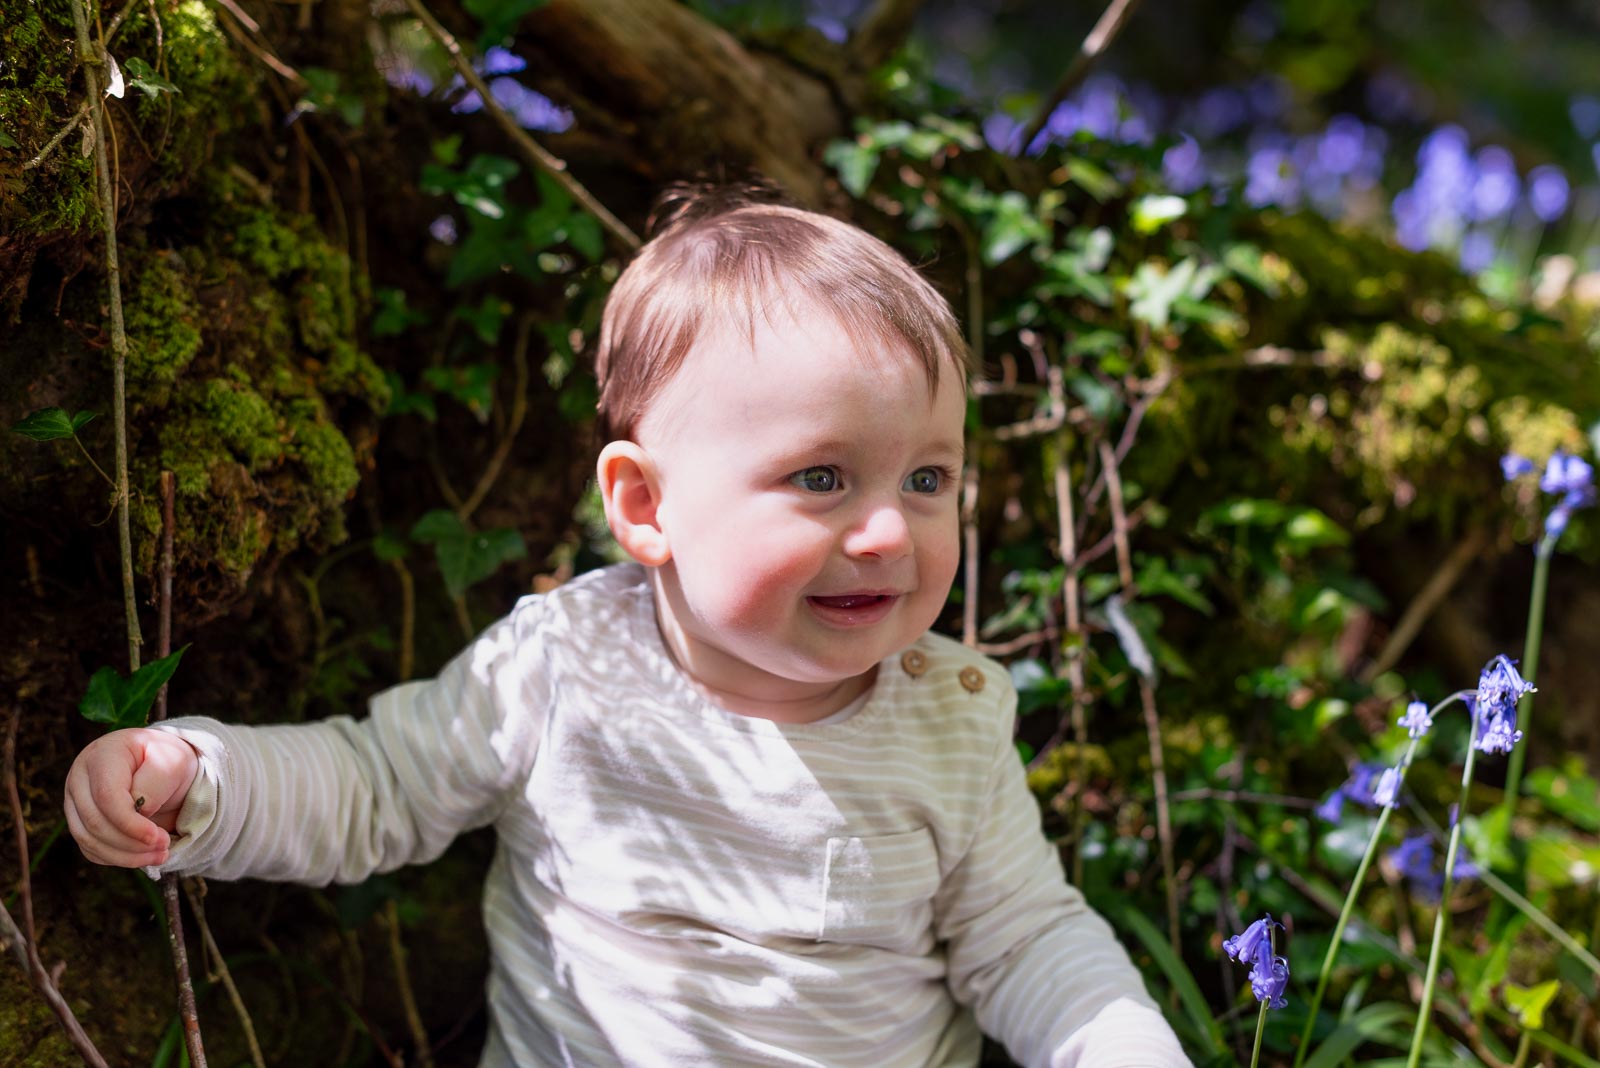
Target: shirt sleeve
340, 799
1042, 971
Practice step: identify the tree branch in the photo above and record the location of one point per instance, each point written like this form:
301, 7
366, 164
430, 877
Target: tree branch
882, 30
1112, 20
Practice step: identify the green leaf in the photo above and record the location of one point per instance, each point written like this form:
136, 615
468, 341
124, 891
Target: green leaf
1177, 973
141, 76
1151, 213
1569, 792
125, 702
389, 547
438, 525
1374, 1023
1528, 1003
585, 235
6, 141
500, 17
472, 385
392, 317
1092, 179
855, 162
486, 319
80, 419
46, 424
1153, 291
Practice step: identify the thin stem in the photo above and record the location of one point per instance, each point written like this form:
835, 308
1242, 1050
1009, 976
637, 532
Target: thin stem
1073, 611
1436, 953
531, 149
969, 551
1261, 1028
1349, 905
408, 1000
519, 412
1105, 31
1530, 670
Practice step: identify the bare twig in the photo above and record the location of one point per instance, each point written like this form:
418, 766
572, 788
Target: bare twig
969, 538
169, 881
408, 1000
220, 964
1147, 694
1423, 605
519, 412
50, 146
89, 56
1232, 796
882, 30
1019, 643
240, 26
1111, 21
1049, 419
408, 616
534, 152
1076, 647
24, 946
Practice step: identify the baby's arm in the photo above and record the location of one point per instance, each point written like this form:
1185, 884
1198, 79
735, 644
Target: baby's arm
1043, 971
340, 799
124, 792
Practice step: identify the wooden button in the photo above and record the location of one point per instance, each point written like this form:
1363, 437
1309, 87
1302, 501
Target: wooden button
914, 663
972, 679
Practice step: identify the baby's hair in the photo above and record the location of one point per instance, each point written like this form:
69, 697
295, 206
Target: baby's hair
720, 255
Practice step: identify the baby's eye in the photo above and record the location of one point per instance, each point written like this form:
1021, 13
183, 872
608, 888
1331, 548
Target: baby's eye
925, 480
816, 479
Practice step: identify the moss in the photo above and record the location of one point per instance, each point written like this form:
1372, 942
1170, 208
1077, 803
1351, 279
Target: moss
353, 373
161, 315
245, 422
325, 455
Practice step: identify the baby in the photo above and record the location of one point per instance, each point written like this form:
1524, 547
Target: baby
749, 810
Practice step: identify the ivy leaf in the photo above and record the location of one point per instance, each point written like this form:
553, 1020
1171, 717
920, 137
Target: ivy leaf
49, 424
1151, 213
500, 17
125, 702
6, 141
472, 385
583, 233
393, 317
466, 557
1529, 1003
486, 319
855, 162
143, 78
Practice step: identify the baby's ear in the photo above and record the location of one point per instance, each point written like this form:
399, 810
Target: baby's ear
630, 487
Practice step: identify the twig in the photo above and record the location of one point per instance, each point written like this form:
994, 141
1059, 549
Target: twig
61, 135
408, 1000
119, 338
169, 881
1423, 605
882, 30
1076, 648
218, 962
531, 149
267, 57
408, 616
1017, 644
519, 412
1147, 694
1105, 31
969, 538
1049, 419
24, 946
79, 442
1207, 793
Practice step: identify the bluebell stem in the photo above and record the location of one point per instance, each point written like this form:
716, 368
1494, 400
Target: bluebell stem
1269, 973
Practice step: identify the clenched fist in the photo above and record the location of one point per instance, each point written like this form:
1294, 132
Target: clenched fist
124, 792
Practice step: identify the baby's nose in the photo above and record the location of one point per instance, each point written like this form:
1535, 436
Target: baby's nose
883, 533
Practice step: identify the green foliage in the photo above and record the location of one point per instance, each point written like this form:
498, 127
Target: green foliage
125, 702
465, 556
49, 424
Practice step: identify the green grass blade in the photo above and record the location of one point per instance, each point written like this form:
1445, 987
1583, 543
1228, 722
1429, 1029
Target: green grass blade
1178, 974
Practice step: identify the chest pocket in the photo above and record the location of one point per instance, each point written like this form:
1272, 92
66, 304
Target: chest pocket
879, 891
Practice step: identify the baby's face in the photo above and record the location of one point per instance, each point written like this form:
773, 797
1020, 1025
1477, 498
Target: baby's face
809, 500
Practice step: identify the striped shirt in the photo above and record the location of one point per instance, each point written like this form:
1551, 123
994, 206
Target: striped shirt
675, 884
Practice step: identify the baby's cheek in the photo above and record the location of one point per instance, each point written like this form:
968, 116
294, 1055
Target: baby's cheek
761, 580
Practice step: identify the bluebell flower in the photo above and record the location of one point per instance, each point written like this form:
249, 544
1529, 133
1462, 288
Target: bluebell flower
1416, 719
1466, 869
1514, 466
1332, 808
1242, 947
1494, 706
1566, 473
1413, 858
1269, 977
1548, 191
1388, 787
1358, 787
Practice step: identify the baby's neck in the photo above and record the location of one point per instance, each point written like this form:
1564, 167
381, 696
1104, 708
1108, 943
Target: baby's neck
720, 679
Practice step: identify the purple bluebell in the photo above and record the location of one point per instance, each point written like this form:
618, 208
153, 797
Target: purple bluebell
1497, 185
1339, 148
1548, 191
1514, 466
1466, 869
1269, 977
1183, 166
1358, 787
1565, 473
1414, 857
1555, 523
1494, 706
1416, 719
1331, 810
1388, 788
1585, 114
1476, 252
1242, 947
498, 60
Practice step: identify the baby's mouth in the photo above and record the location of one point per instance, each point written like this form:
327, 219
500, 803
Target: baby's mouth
849, 601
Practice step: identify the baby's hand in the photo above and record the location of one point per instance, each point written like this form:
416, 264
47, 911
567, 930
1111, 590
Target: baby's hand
124, 792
